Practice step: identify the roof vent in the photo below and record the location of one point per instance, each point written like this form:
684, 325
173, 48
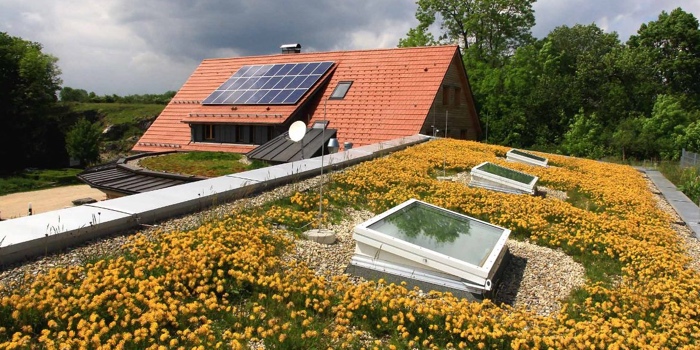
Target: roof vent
291, 48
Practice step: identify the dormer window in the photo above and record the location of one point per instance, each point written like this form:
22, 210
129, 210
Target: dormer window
341, 90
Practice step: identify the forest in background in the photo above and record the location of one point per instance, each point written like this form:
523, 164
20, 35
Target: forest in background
579, 91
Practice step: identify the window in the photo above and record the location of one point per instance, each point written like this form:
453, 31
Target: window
420, 241
239, 134
341, 90
445, 95
209, 131
458, 96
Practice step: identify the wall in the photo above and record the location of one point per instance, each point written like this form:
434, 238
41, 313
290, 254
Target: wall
462, 121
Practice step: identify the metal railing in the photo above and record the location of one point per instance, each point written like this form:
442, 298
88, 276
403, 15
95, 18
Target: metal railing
690, 159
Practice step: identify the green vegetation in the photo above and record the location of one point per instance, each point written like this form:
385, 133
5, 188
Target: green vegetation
32, 127
123, 123
69, 94
686, 179
209, 164
506, 173
82, 142
31, 180
578, 91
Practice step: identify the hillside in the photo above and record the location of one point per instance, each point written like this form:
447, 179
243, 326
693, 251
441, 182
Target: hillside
123, 123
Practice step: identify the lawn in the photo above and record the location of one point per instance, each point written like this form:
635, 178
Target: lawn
31, 180
228, 284
208, 164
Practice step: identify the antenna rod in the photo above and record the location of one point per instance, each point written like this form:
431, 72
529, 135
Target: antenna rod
320, 187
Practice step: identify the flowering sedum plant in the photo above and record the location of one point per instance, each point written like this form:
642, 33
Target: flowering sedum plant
229, 283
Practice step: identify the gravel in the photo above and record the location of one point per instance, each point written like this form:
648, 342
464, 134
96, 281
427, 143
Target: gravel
537, 278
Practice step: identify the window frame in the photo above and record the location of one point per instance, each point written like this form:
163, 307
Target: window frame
209, 132
347, 83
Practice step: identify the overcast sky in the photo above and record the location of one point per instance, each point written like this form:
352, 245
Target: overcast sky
136, 47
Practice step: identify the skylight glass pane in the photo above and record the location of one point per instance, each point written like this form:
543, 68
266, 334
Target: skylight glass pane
507, 173
529, 155
441, 231
341, 89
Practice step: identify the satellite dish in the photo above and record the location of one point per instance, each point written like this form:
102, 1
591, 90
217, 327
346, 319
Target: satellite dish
297, 131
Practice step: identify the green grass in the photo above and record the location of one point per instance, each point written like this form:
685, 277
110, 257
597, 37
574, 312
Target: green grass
507, 173
583, 200
120, 113
32, 180
208, 164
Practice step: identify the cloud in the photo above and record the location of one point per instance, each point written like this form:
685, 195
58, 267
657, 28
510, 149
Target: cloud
622, 16
130, 46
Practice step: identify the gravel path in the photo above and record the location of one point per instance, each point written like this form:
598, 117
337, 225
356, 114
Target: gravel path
16, 204
536, 279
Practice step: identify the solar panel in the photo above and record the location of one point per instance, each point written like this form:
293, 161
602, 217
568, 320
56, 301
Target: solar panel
269, 84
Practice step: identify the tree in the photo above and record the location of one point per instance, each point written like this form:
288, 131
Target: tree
672, 45
69, 94
488, 30
30, 127
667, 124
83, 142
584, 138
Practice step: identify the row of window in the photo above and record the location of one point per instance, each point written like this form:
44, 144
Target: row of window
240, 134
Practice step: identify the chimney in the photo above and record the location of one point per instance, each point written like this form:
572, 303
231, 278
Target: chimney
291, 48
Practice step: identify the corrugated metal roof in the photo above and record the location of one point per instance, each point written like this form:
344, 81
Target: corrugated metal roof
283, 150
122, 179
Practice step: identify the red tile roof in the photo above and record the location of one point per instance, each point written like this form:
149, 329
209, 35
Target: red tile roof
391, 95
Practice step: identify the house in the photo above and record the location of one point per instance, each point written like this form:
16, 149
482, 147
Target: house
366, 96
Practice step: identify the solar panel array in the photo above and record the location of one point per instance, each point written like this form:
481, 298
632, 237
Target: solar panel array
269, 84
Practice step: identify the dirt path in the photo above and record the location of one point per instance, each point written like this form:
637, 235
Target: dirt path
16, 204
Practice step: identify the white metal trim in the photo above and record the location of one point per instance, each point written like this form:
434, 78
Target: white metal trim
523, 159
426, 257
529, 187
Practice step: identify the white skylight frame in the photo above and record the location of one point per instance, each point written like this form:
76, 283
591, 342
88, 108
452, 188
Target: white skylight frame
381, 252
481, 178
521, 156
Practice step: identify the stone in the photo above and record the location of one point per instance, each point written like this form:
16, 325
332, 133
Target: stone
81, 201
322, 236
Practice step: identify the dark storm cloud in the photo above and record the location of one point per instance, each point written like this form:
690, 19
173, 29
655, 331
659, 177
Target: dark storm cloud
130, 46
258, 27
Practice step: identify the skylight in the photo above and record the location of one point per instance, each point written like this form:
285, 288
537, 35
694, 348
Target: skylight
341, 90
419, 241
524, 157
498, 178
